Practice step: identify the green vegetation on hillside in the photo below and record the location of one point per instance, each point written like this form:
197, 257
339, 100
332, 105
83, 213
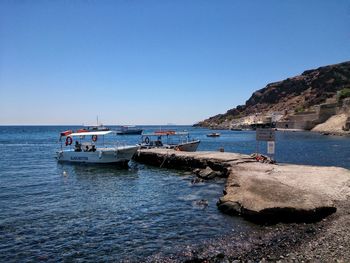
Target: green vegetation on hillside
299, 109
344, 93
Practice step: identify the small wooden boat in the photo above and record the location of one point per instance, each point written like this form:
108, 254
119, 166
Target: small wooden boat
213, 134
66, 133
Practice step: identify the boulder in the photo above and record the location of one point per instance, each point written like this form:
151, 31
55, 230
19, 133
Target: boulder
197, 180
208, 173
267, 193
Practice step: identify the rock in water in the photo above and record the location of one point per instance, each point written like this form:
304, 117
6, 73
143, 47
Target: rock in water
202, 203
208, 173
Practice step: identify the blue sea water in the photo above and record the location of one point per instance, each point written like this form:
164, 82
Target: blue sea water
61, 212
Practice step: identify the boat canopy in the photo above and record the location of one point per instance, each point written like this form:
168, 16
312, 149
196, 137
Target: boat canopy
90, 133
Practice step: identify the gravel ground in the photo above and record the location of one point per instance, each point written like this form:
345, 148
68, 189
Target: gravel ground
324, 241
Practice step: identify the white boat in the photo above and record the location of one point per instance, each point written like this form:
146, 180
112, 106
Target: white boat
97, 128
190, 146
213, 134
179, 141
86, 150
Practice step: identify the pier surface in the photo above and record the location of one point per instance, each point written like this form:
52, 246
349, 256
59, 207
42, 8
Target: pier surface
262, 192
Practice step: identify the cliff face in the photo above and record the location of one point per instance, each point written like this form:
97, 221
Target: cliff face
310, 88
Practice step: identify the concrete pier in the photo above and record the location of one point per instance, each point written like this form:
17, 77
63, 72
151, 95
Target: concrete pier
262, 192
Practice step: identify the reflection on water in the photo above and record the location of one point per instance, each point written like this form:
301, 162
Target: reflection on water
52, 211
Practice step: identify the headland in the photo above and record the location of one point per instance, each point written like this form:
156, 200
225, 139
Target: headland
317, 100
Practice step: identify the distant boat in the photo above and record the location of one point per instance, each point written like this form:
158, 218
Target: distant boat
213, 134
129, 130
96, 128
66, 133
86, 150
165, 132
179, 141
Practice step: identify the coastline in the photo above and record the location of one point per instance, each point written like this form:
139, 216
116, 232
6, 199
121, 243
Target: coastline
324, 239
323, 132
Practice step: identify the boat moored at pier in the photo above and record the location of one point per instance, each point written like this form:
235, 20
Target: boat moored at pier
170, 140
87, 150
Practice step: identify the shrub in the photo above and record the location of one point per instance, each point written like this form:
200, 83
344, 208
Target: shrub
299, 109
344, 93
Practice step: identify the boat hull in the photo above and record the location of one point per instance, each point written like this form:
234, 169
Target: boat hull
116, 155
130, 132
188, 146
184, 147
213, 135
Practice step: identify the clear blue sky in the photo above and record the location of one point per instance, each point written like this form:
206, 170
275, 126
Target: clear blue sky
156, 62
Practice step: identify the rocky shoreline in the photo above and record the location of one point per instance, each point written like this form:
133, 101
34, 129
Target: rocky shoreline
324, 241
334, 126
325, 132
323, 237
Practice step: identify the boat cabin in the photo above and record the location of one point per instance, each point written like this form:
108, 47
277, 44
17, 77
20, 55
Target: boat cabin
83, 140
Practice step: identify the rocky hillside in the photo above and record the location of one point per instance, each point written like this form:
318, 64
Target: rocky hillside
298, 93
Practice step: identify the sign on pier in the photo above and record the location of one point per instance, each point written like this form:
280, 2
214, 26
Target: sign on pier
269, 136
265, 134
